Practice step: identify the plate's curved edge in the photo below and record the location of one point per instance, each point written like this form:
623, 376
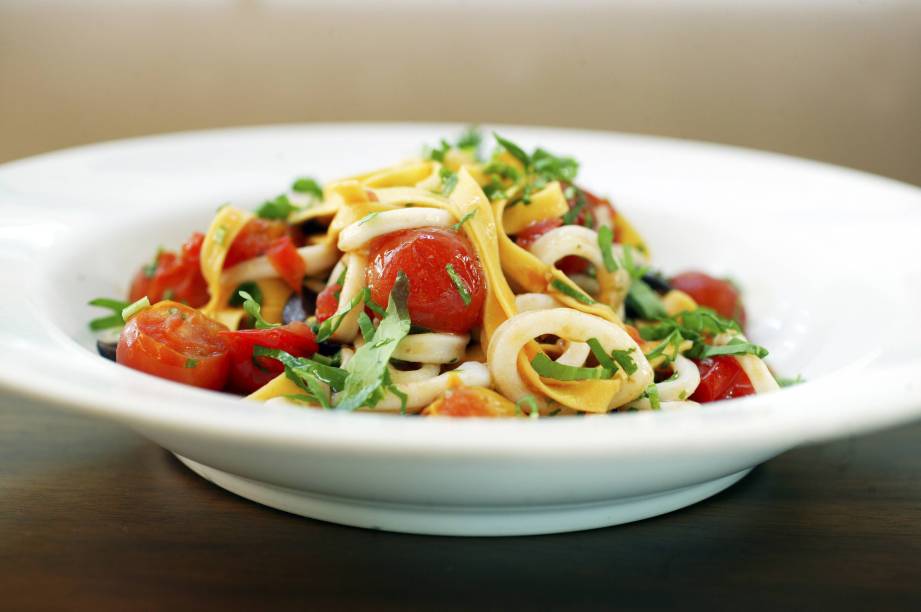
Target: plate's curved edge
465, 521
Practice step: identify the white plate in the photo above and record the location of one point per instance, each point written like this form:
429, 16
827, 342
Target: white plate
826, 255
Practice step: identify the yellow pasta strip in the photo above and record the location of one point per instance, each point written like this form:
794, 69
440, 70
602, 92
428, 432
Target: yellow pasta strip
548, 203
279, 386
223, 230
584, 395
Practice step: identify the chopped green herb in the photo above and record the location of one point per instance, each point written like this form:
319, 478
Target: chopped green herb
683, 395
114, 320
168, 294
374, 306
191, 363
470, 139
368, 217
132, 309
789, 382
367, 370
624, 360
388, 386
249, 287
254, 310
279, 208
502, 171
548, 368
309, 186
735, 347
513, 150
652, 392
448, 181
531, 403
601, 355
459, 284
571, 291
552, 168
365, 325
307, 374
341, 279
330, 325
605, 241
467, 217
150, 268
220, 234
573, 213
645, 302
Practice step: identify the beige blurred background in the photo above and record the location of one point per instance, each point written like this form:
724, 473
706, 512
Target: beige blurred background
838, 81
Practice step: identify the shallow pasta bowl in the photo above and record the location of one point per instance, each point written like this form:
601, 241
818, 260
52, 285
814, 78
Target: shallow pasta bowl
824, 254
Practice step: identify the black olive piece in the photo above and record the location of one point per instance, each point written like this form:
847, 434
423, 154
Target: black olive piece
107, 349
657, 282
299, 306
328, 348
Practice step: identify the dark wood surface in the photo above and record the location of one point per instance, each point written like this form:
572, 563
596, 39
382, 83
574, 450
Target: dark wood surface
93, 517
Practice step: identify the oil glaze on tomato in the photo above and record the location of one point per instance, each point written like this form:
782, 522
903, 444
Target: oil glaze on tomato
715, 293
721, 378
423, 254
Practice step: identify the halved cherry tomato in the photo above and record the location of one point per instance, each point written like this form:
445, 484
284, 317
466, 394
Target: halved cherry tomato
176, 342
248, 373
287, 262
526, 237
424, 254
721, 378
713, 293
254, 240
328, 302
173, 276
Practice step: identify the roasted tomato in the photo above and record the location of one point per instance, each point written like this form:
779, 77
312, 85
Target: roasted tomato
721, 378
328, 302
248, 373
254, 240
711, 292
435, 302
287, 262
174, 341
526, 237
173, 276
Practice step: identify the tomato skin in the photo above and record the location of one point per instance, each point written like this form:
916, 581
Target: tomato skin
176, 342
721, 377
248, 373
526, 237
287, 262
177, 276
423, 254
254, 240
328, 302
711, 292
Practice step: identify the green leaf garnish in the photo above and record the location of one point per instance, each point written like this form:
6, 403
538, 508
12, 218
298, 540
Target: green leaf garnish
470, 139
531, 403
467, 217
459, 284
132, 309
279, 208
365, 325
789, 382
624, 360
652, 392
309, 186
307, 374
113, 320
330, 325
548, 368
605, 242
374, 306
190, 363
571, 291
448, 181
514, 150
367, 370
645, 302
150, 268
254, 310
549, 167
249, 287
735, 346
601, 355
220, 234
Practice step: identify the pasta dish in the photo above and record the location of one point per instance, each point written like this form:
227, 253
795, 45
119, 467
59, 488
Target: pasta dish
457, 283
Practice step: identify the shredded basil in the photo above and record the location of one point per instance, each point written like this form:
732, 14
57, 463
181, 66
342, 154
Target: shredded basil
571, 291
460, 284
278, 208
248, 287
132, 309
309, 186
330, 325
652, 392
254, 310
467, 217
605, 241
735, 346
113, 320
531, 403
548, 368
448, 181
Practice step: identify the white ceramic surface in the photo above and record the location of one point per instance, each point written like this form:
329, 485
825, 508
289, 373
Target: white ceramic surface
826, 256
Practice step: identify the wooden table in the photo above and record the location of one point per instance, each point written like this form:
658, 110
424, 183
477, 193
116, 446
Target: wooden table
93, 517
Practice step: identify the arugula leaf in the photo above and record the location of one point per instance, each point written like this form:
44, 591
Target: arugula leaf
309, 186
279, 208
605, 240
459, 284
254, 310
114, 320
367, 370
514, 150
645, 302
571, 291
132, 309
735, 347
467, 217
548, 368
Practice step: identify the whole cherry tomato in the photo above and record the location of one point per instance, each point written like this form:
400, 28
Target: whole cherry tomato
435, 301
715, 293
721, 378
176, 342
